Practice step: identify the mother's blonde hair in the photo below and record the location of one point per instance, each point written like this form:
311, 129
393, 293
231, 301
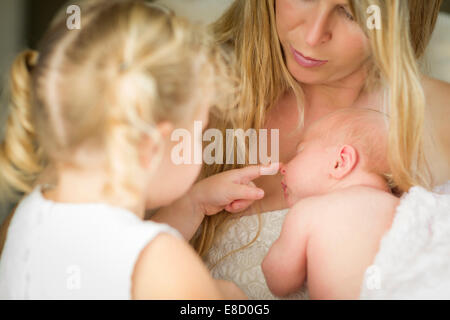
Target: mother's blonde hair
102, 89
248, 29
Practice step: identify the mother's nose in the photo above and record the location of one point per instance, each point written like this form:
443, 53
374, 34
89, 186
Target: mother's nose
318, 30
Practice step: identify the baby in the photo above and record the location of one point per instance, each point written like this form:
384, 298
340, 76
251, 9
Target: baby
340, 207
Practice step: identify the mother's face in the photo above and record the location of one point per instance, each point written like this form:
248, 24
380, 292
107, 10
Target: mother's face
321, 41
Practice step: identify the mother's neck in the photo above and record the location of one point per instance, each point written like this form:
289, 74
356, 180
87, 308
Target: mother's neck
332, 96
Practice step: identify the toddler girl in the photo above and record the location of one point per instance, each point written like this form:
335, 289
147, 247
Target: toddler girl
89, 130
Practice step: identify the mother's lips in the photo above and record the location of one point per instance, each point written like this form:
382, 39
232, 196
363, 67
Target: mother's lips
305, 61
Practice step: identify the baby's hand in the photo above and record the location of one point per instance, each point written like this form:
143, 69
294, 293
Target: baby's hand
231, 190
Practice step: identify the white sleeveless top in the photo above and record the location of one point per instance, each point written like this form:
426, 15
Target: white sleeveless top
72, 251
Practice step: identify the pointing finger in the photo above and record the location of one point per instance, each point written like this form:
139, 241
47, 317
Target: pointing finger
250, 173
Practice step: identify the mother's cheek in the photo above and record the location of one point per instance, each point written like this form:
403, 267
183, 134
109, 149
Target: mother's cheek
288, 17
359, 44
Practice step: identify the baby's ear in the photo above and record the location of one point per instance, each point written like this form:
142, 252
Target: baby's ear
344, 162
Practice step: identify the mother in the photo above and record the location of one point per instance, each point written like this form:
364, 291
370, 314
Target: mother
301, 59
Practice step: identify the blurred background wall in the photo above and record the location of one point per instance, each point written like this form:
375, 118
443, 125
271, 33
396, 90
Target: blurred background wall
12, 29
22, 23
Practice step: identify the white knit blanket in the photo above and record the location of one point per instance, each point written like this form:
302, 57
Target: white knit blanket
414, 257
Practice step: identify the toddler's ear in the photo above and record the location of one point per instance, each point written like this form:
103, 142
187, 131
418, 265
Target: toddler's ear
146, 151
148, 147
165, 128
344, 162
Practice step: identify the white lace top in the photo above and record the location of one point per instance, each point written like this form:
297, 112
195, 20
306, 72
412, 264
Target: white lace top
72, 251
244, 267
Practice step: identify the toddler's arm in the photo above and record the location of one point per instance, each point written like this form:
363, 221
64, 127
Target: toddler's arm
168, 268
231, 190
284, 266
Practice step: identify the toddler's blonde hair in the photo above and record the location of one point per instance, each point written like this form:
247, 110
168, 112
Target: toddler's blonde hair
103, 88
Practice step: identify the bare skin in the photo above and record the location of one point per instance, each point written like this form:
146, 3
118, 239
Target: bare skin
437, 95
169, 251
326, 30
329, 240
340, 207
438, 111
167, 268
321, 26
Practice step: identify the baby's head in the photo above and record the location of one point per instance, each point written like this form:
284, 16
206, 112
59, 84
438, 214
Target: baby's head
340, 149
109, 95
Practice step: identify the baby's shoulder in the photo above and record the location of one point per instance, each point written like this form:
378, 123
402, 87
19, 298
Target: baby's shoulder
355, 197
352, 207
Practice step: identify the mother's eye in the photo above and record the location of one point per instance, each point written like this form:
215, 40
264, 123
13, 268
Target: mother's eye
342, 10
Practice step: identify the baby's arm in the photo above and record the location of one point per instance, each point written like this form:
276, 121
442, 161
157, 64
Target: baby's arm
284, 266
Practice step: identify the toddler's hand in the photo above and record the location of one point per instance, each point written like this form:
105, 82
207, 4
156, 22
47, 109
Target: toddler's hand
231, 190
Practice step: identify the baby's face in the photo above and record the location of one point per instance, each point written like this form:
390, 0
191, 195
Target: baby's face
306, 174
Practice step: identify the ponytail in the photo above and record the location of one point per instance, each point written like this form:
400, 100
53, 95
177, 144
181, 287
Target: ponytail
21, 159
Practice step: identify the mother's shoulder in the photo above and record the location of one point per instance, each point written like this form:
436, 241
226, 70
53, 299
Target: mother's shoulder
437, 92
437, 113
437, 108
430, 81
